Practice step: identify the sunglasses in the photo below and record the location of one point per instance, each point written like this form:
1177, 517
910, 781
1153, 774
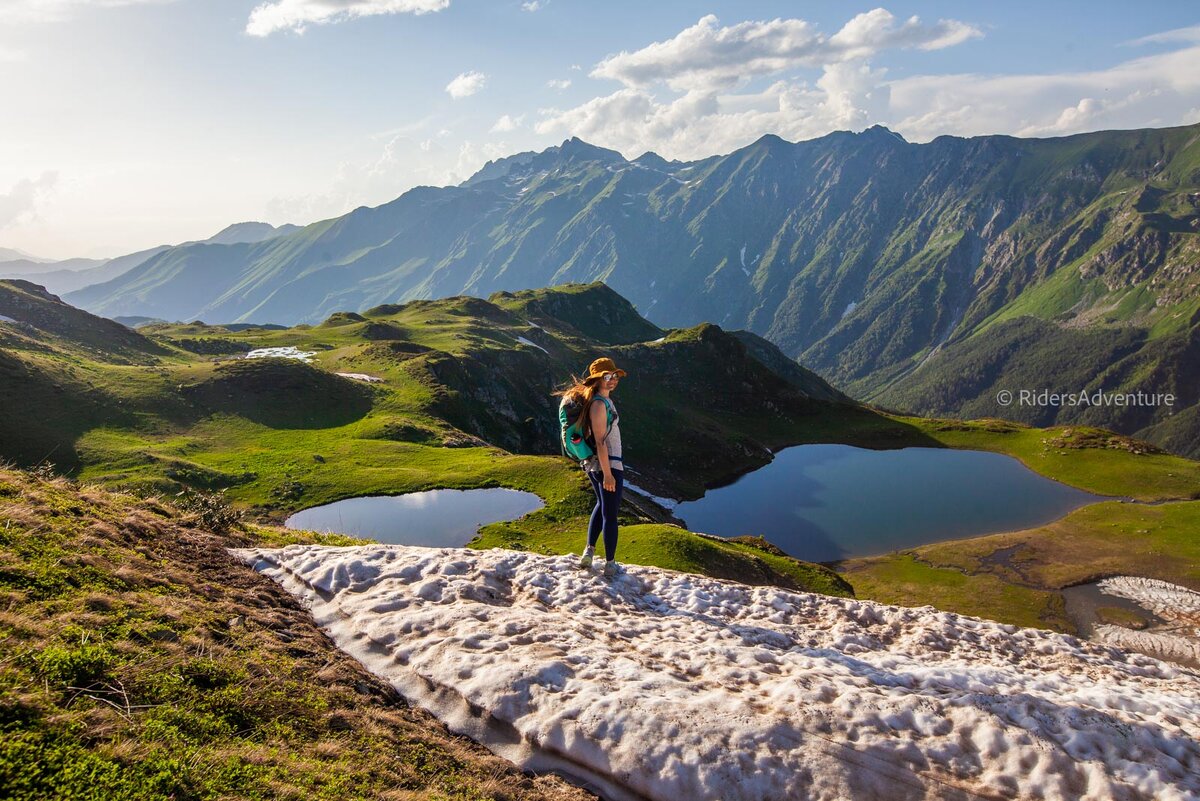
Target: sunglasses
610, 376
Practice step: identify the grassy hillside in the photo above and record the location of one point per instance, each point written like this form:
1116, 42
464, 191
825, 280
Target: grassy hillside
142, 662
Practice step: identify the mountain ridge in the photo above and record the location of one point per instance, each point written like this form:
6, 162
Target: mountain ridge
860, 254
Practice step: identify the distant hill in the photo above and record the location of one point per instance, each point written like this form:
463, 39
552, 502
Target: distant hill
249, 232
12, 254
72, 274
31, 312
12, 268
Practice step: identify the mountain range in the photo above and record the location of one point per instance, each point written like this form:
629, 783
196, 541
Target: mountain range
919, 276
70, 274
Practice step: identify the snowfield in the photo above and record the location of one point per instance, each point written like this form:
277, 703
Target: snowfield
664, 685
1179, 607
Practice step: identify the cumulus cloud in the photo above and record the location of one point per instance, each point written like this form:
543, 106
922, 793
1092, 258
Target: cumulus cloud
559, 83
707, 56
466, 84
21, 201
507, 123
296, 15
688, 97
16, 11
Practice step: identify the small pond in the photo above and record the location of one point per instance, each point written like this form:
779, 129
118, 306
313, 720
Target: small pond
828, 502
444, 518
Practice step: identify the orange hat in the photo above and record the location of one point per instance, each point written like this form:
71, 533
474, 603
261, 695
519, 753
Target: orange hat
602, 366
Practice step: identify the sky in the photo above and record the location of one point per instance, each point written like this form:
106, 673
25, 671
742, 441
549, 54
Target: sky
134, 123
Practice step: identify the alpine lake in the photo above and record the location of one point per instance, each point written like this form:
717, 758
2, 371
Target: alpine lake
820, 503
823, 503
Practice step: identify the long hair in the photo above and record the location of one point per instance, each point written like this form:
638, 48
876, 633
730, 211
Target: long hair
581, 391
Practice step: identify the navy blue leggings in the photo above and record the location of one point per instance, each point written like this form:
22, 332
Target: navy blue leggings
605, 512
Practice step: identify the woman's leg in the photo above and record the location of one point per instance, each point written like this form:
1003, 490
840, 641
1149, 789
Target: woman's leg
597, 518
611, 505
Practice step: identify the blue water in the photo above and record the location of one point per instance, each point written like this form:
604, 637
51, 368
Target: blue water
444, 518
828, 502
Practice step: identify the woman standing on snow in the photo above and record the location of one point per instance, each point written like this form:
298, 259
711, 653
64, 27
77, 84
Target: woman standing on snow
599, 426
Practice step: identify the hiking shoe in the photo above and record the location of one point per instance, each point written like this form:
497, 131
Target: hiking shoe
611, 568
585, 561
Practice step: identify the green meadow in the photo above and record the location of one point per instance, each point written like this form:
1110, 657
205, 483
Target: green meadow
464, 401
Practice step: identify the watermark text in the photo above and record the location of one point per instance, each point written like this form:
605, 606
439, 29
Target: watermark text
1095, 397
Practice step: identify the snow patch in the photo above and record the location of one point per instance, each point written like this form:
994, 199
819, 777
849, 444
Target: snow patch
289, 352
666, 503
1163, 645
1160, 597
4, 318
525, 341
851, 306
1178, 640
669, 685
370, 379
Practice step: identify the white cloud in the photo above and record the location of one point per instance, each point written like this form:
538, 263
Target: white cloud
1190, 34
559, 83
709, 57
685, 98
534, 5
21, 201
466, 84
508, 123
296, 15
17, 11
1149, 91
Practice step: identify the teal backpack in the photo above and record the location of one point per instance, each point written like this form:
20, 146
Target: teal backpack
573, 443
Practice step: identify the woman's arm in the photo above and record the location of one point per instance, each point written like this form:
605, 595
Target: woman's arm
599, 417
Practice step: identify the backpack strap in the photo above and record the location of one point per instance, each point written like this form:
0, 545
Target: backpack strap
612, 416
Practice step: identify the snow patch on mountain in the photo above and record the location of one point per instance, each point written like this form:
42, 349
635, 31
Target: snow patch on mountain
666, 685
666, 503
284, 352
525, 341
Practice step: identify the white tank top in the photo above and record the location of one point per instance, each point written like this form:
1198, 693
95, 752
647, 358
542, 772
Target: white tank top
614, 439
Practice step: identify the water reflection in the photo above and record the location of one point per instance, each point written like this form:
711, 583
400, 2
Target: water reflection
445, 518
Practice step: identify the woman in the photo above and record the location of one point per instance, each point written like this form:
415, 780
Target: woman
601, 424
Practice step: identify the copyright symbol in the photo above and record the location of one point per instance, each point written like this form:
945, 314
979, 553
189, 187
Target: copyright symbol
1004, 397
